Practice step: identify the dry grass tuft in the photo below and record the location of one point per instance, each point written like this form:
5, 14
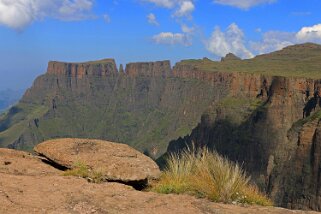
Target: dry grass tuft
209, 175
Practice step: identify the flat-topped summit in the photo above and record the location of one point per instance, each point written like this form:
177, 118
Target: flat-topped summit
158, 68
99, 67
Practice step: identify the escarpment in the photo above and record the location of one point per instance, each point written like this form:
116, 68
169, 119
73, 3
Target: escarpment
263, 113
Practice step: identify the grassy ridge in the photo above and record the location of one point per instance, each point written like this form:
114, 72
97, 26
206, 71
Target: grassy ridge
16, 121
293, 61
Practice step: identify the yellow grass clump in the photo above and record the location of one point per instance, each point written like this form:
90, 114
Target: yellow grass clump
208, 175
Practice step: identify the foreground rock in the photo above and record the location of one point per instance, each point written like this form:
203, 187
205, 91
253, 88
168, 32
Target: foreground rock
62, 195
22, 163
116, 162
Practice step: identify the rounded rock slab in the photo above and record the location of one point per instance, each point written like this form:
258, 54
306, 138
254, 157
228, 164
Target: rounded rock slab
115, 161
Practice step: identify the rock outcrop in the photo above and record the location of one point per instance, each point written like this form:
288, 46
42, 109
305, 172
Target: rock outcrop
116, 162
58, 194
151, 69
14, 162
230, 57
30, 185
105, 67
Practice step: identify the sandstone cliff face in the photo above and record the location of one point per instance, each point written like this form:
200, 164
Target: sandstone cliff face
151, 69
270, 124
105, 67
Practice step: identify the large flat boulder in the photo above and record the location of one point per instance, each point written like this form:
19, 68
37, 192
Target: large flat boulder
116, 162
22, 163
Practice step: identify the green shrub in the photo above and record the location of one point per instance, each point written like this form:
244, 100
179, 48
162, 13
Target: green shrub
209, 175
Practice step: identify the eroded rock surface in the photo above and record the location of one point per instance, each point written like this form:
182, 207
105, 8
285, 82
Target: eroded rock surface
117, 162
22, 163
30, 185
58, 194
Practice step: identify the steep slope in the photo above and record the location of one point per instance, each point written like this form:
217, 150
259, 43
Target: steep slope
145, 107
262, 112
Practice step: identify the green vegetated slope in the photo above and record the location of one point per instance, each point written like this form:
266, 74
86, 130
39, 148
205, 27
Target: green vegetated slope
143, 112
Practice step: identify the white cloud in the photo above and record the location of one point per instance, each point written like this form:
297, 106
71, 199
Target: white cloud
243, 4
162, 3
310, 34
185, 8
151, 18
181, 7
231, 41
107, 18
17, 14
187, 30
276, 40
72, 10
272, 41
169, 38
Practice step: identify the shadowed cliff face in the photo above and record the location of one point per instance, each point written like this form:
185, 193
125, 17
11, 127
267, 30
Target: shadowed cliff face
268, 123
269, 136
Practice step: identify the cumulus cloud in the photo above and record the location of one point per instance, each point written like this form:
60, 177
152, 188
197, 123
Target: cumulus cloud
276, 40
231, 41
243, 4
151, 18
187, 30
18, 14
185, 8
169, 38
162, 3
310, 34
181, 7
272, 41
106, 18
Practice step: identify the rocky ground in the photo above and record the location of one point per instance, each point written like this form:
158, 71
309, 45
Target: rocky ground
29, 184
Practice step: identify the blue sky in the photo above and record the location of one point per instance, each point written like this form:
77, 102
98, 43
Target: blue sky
32, 32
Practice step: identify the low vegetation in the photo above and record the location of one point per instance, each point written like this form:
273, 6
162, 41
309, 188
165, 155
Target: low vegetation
83, 171
206, 174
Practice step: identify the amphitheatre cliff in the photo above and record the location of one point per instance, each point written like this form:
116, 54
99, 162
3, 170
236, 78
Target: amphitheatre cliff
262, 112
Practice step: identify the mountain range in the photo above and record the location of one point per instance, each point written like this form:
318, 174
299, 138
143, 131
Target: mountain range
263, 113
